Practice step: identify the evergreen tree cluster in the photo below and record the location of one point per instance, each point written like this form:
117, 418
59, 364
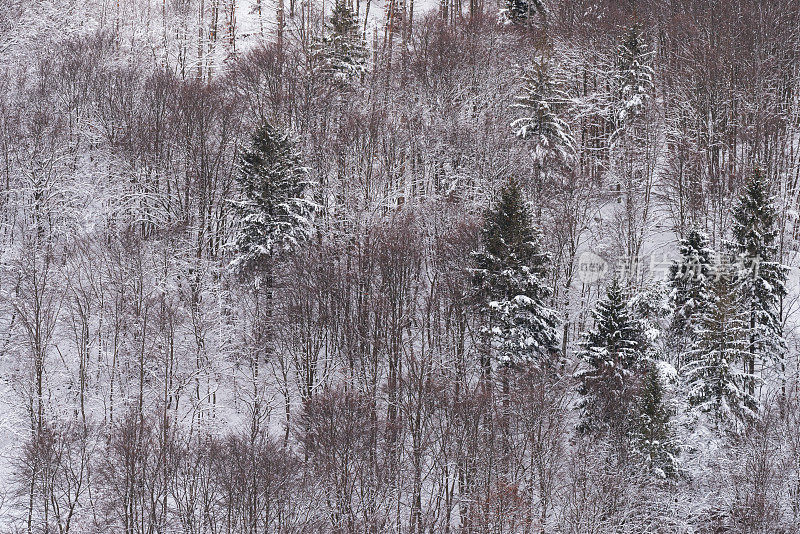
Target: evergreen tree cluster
714, 372
727, 308
724, 312
520, 11
620, 384
725, 318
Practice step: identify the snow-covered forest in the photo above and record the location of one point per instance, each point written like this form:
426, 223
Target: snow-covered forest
366, 266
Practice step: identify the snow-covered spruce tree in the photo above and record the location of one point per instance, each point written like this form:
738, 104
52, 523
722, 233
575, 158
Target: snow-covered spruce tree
520, 11
650, 304
544, 101
689, 279
653, 435
275, 211
611, 355
716, 381
342, 51
634, 76
760, 278
509, 286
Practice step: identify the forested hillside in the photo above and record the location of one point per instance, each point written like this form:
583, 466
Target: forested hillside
375, 267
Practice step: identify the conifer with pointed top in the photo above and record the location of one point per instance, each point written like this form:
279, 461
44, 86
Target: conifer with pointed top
760, 277
275, 211
612, 354
653, 435
689, 279
634, 76
342, 51
716, 381
544, 102
509, 286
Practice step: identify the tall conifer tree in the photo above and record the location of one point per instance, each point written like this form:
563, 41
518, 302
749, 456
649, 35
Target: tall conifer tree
653, 435
717, 383
543, 102
634, 76
689, 279
275, 211
760, 278
508, 280
612, 355
342, 51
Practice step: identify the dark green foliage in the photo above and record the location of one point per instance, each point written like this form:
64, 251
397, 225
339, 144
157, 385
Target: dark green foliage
759, 276
717, 383
343, 51
653, 434
544, 102
689, 280
634, 75
275, 211
611, 354
520, 11
508, 283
